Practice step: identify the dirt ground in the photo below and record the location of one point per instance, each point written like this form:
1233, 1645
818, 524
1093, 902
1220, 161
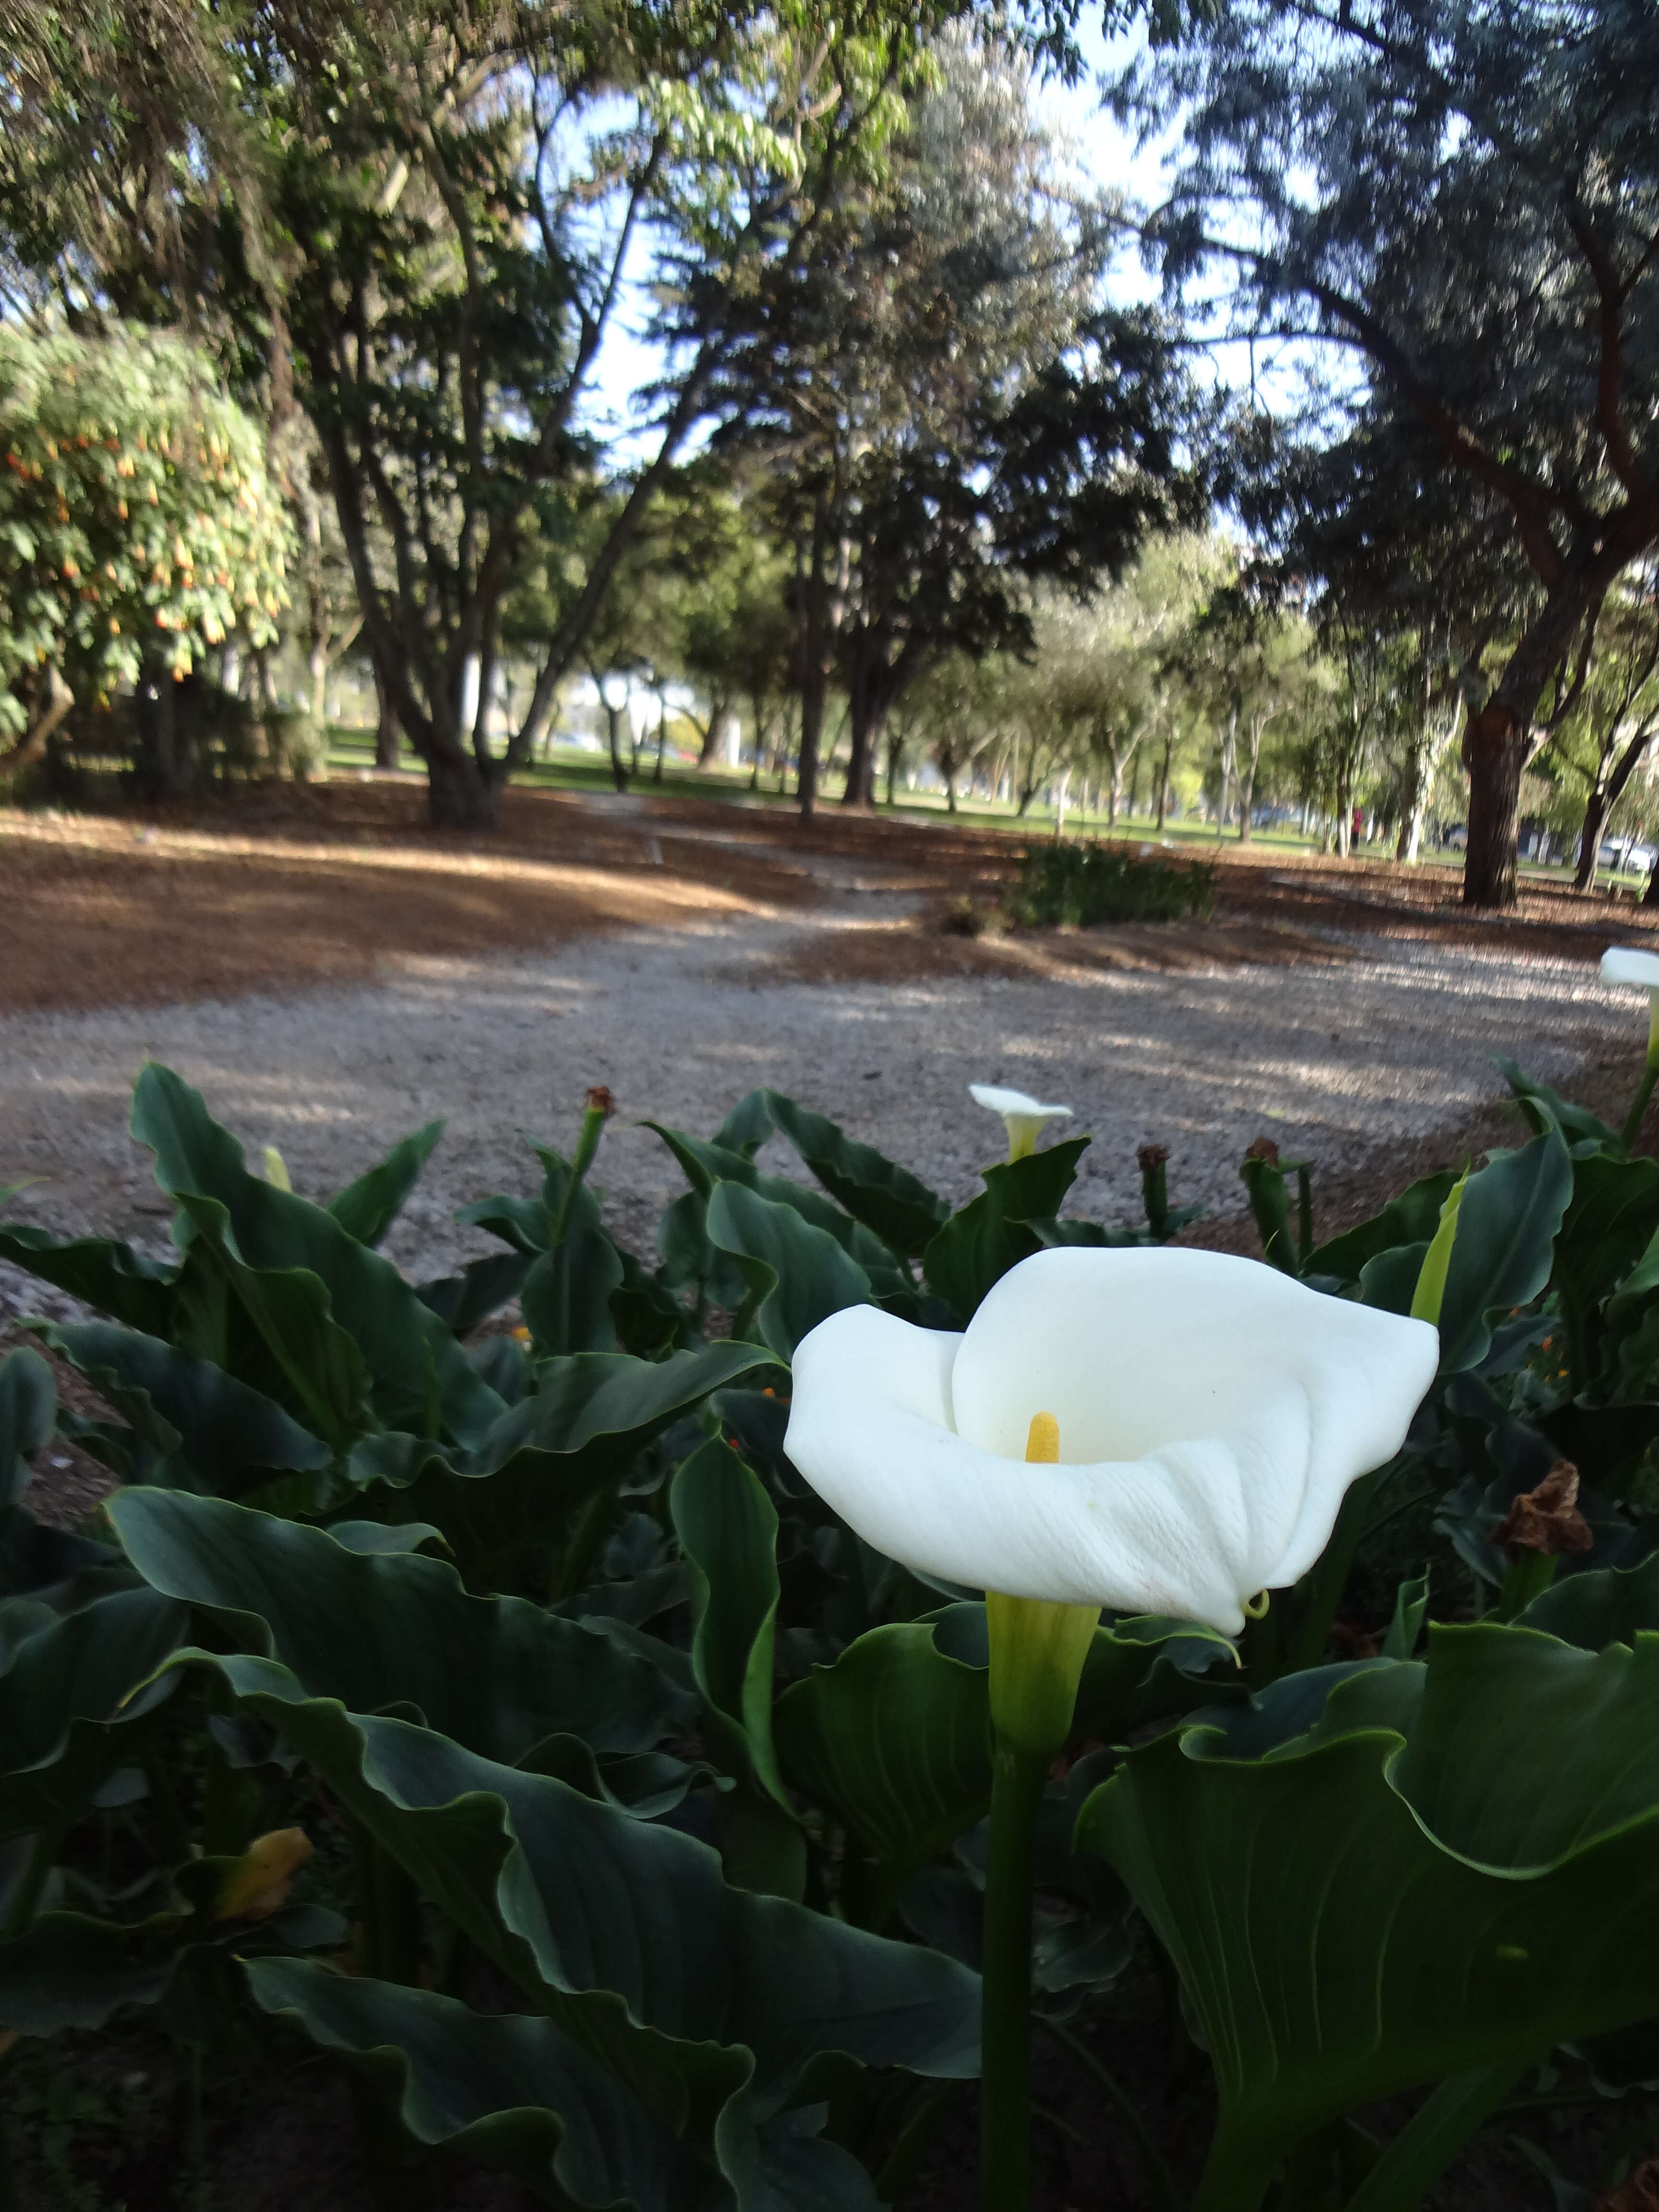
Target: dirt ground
342, 882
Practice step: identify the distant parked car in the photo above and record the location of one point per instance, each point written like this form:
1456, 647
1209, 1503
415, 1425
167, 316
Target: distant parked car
1456, 839
1628, 853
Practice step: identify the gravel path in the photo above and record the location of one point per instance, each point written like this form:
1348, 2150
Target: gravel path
1331, 1060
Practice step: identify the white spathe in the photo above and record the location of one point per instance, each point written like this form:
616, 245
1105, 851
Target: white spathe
1212, 1413
1629, 963
1025, 1117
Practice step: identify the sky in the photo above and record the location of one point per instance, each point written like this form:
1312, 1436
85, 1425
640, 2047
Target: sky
1105, 152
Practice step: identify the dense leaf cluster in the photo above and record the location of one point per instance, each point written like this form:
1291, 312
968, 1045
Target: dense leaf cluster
649, 1801
137, 526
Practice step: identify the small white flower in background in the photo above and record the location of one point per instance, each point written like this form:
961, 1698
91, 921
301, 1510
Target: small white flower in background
1211, 1414
1630, 965
1025, 1118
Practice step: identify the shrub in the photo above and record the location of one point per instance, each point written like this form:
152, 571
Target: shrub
1083, 884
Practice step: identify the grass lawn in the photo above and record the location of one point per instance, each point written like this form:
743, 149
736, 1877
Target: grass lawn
573, 768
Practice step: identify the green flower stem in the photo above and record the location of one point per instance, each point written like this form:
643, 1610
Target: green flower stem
1037, 1652
587, 1144
1017, 1777
1527, 1576
1633, 1128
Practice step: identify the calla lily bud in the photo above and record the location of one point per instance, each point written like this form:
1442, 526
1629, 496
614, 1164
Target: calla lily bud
1153, 1161
1430, 1292
258, 1882
1024, 1118
276, 1168
1212, 1413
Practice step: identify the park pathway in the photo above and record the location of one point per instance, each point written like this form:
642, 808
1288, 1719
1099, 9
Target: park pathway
1334, 1061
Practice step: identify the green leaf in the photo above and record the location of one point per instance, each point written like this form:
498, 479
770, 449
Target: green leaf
586, 1420
1432, 2137
729, 1530
482, 1287
1543, 1106
713, 2005
1607, 1230
198, 1427
366, 1209
566, 1294
895, 1738
1411, 1606
1506, 1231
68, 1970
330, 1312
514, 2091
887, 1199
797, 1275
976, 1247
706, 1165
1410, 1218
393, 1629
67, 1702
109, 1277
1395, 1896
1605, 1605
1270, 1205
28, 1406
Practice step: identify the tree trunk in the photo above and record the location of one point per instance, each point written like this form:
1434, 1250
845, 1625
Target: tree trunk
1497, 749
1229, 753
1246, 803
458, 795
386, 733
1605, 794
32, 746
1163, 786
1596, 810
895, 754
1497, 741
615, 717
811, 584
866, 724
717, 711
317, 668
1411, 820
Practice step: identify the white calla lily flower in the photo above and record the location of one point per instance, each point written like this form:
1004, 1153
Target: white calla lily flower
1212, 1413
1025, 1118
1629, 964
1632, 965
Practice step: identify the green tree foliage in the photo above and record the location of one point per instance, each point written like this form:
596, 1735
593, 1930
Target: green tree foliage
1464, 200
418, 227
466, 206
1603, 743
953, 416
139, 527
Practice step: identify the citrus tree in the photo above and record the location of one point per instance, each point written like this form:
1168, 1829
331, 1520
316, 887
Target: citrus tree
137, 526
